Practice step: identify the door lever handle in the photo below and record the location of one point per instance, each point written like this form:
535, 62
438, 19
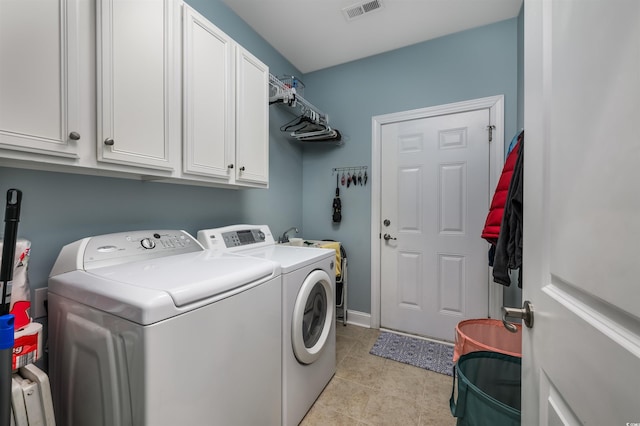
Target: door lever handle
388, 237
525, 314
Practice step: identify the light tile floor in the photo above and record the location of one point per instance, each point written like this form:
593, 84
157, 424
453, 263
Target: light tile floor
369, 390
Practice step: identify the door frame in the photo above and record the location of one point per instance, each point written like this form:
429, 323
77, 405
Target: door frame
495, 104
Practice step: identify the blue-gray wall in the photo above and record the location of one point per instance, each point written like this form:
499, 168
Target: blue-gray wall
468, 65
59, 208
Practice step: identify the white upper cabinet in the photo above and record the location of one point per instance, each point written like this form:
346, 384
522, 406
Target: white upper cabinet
138, 81
161, 94
39, 90
208, 98
252, 119
225, 106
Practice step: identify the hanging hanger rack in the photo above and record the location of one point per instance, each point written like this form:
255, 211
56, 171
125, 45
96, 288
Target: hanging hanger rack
312, 124
288, 94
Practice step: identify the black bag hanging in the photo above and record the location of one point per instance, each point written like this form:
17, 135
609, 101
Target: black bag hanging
337, 204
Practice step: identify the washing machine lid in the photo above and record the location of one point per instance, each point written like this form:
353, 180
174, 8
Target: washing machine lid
189, 278
290, 258
153, 290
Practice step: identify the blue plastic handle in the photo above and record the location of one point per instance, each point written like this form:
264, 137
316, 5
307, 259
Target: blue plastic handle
6, 331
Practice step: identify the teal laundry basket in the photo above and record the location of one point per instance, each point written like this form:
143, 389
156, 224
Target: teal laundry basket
488, 385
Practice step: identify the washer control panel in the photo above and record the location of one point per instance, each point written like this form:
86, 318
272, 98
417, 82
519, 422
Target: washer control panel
123, 247
234, 237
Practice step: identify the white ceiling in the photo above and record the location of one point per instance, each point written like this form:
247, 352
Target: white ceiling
315, 34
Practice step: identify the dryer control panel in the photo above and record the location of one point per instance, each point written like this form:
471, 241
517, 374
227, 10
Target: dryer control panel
235, 237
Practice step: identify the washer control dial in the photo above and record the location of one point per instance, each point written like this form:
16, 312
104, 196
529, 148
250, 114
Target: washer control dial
147, 243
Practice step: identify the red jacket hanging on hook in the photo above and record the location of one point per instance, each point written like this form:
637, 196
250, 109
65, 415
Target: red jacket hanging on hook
496, 210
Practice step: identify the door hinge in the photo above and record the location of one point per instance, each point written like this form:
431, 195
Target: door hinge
491, 127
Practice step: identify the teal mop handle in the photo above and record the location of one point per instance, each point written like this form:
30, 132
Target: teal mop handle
6, 366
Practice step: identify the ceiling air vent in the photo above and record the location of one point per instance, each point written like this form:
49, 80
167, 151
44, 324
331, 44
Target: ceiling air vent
357, 10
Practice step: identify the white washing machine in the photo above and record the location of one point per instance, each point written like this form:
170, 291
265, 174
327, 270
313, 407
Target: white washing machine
147, 328
308, 316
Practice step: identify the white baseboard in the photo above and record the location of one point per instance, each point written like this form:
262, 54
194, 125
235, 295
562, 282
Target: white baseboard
361, 319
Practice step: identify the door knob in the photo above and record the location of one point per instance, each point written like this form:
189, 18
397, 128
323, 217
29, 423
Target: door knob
74, 136
525, 314
108, 142
388, 237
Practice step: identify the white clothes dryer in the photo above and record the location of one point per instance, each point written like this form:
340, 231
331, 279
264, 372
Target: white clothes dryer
148, 328
308, 310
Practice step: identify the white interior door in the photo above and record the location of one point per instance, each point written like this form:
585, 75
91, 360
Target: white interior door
435, 198
581, 359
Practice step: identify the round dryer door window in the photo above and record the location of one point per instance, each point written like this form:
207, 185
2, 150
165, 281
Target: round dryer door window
312, 317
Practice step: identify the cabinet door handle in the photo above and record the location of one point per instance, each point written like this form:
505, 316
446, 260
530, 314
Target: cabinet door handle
74, 136
108, 142
242, 169
230, 166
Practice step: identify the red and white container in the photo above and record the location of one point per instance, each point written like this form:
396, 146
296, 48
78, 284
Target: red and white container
486, 334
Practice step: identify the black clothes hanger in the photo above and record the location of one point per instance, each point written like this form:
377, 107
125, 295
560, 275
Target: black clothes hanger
293, 123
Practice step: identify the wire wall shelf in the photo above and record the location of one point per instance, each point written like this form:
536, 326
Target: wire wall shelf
312, 124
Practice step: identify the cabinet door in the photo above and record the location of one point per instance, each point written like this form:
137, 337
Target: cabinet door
39, 77
136, 92
252, 119
208, 98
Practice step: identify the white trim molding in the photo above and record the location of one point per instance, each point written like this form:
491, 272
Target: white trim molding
361, 319
495, 104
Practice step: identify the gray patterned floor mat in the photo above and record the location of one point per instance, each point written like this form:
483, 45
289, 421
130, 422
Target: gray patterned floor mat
421, 353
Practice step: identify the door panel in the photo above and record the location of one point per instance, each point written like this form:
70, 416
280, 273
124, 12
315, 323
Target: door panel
410, 279
452, 198
581, 359
252, 118
136, 83
410, 179
451, 283
39, 82
435, 192
209, 138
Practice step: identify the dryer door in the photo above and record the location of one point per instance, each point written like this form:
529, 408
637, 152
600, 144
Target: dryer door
312, 317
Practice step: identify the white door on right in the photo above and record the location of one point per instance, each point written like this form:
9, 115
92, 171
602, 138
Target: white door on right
435, 198
581, 358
